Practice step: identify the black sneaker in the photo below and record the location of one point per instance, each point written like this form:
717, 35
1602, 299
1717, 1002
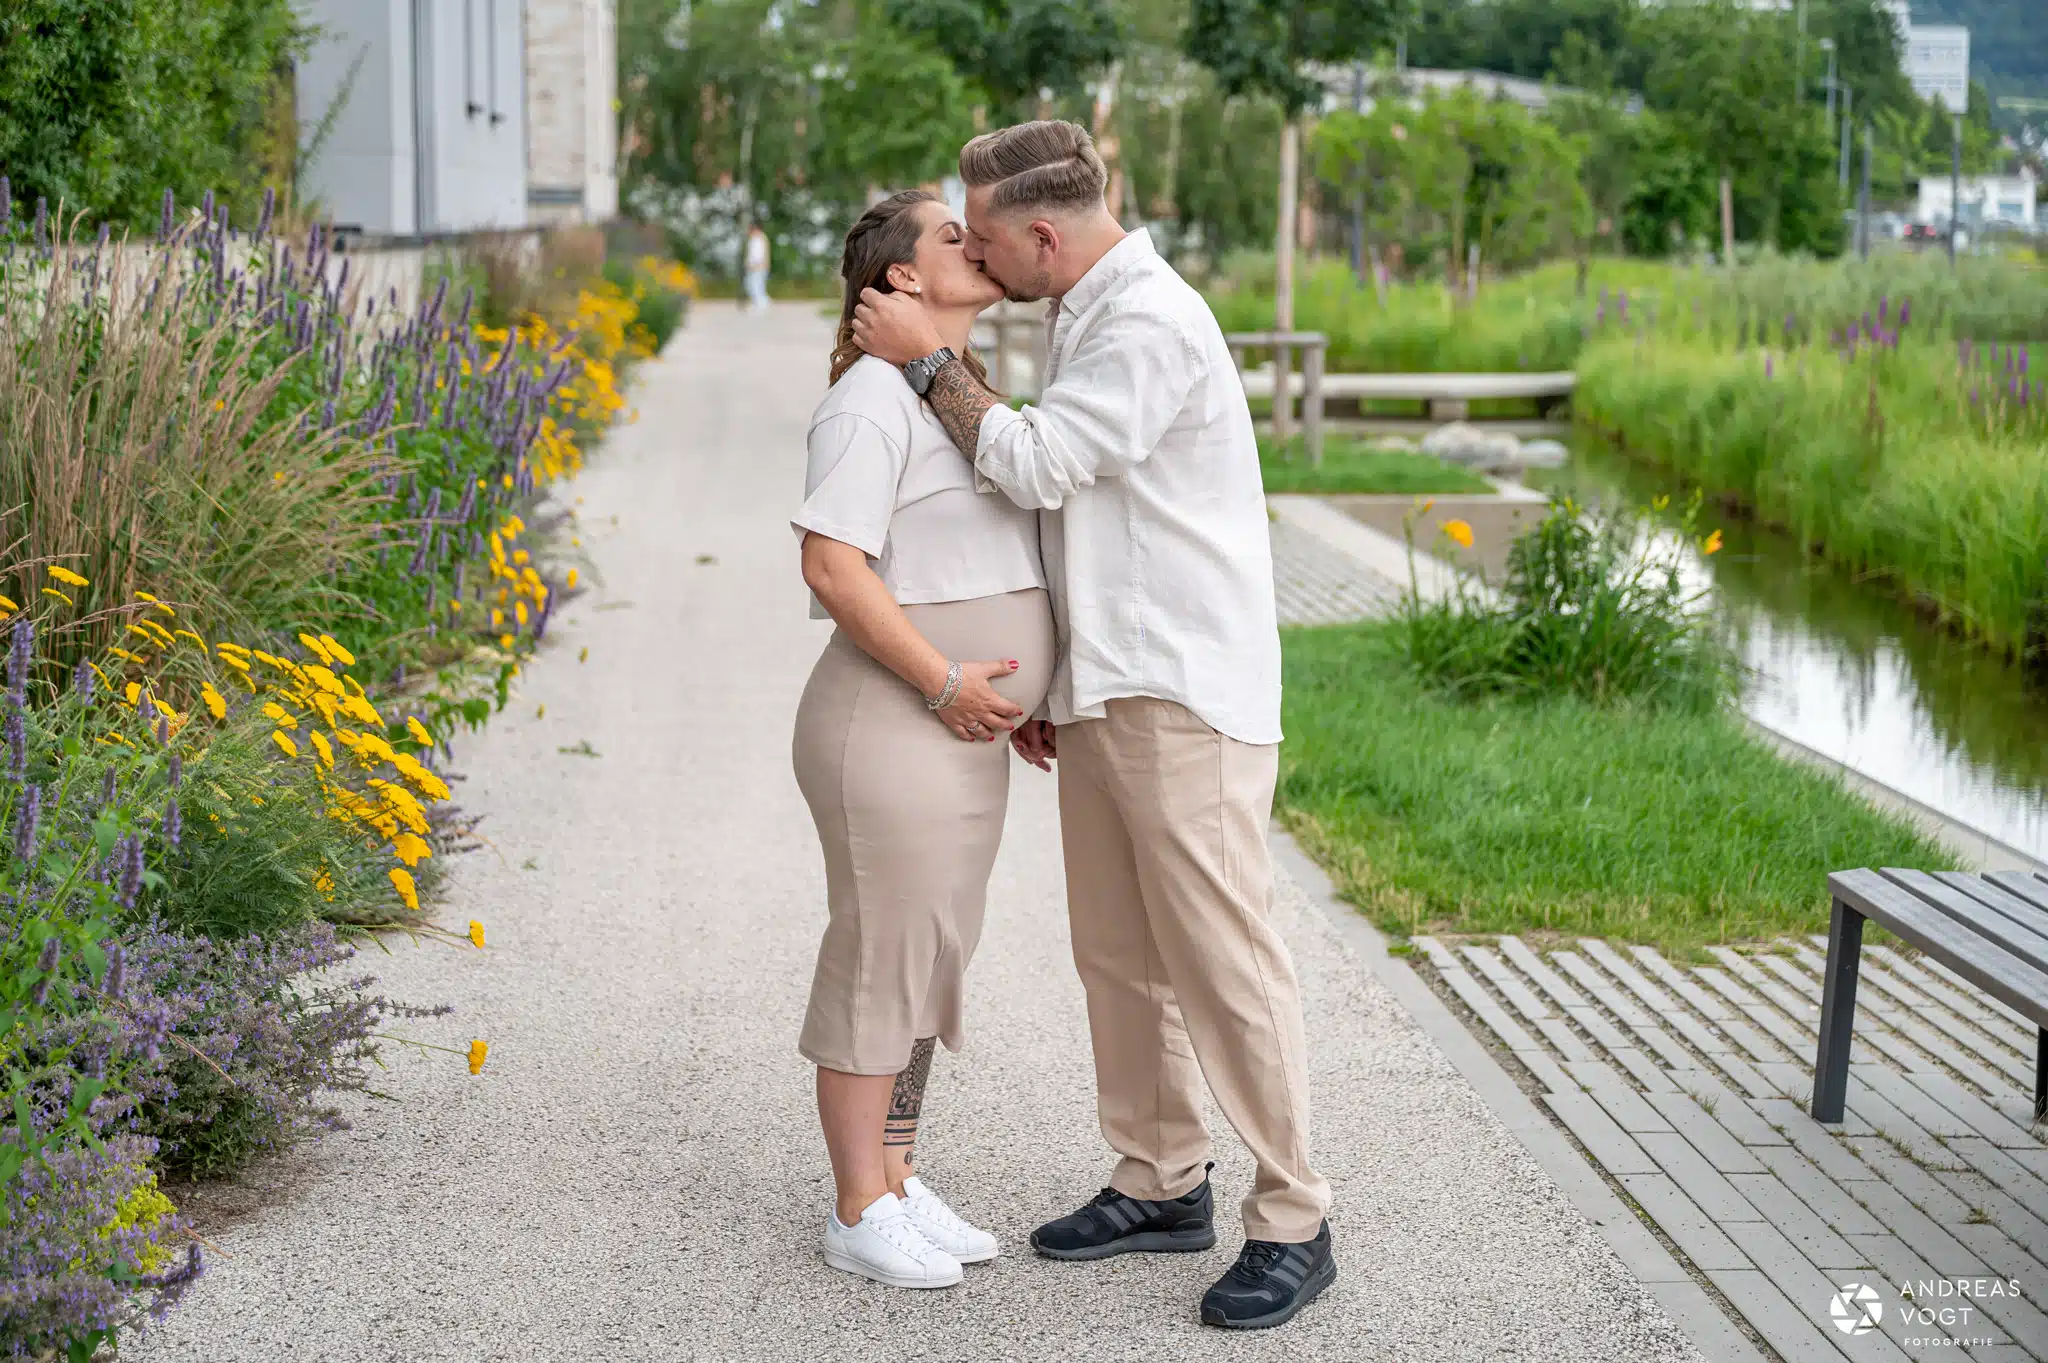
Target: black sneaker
1115, 1224
1270, 1282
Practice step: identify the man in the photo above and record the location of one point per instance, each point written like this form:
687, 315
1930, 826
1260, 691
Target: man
1164, 713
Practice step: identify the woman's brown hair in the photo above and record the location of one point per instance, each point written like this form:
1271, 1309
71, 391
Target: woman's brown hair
885, 235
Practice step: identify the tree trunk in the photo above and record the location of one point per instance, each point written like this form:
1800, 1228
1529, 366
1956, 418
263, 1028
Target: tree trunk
1727, 223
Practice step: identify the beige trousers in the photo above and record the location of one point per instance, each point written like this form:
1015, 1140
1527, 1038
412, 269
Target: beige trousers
1169, 885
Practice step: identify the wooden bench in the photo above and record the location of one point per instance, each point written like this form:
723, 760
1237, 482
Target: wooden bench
1283, 344
1450, 396
1991, 930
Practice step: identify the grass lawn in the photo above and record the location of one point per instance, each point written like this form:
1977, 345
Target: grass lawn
1557, 816
1352, 465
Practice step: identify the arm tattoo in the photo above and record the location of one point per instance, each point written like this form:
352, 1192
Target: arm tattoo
906, 1103
960, 403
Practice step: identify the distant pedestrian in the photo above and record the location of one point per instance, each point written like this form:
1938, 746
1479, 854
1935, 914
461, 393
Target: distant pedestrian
755, 267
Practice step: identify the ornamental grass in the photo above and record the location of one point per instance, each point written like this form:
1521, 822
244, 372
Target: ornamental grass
265, 546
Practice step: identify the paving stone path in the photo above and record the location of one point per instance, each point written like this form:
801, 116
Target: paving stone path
636, 1176
1689, 1084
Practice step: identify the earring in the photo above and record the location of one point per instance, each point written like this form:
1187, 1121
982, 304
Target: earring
917, 288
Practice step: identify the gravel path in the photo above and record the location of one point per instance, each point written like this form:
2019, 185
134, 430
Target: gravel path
636, 1175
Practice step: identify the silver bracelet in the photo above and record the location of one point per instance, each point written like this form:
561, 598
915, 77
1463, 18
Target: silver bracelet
948, 691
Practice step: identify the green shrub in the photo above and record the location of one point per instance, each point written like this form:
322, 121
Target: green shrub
1359, 466
1593, 605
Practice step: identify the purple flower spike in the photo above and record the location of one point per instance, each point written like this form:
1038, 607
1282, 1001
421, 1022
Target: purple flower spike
174, 823
163, 227
1767, 366
117, 972
1905, 312
19, 658
128, 853
177, 770
1884, 306
25, 820
17, 747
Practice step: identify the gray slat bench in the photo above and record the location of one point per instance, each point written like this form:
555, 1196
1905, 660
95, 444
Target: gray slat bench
1992, 930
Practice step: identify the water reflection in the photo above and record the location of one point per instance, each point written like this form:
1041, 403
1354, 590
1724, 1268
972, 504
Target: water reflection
1852, 673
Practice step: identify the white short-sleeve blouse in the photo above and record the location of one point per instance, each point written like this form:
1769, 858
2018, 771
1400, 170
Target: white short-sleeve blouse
884, 477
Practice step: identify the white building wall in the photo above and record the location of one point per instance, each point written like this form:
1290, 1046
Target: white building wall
362, 174
473, 99
430, 132
1986, 198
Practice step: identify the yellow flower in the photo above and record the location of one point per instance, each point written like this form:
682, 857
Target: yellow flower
1713, 544
571, 580
505, 642
290, 748
226, 650
519, 612
477, 1051
124, 654
315, 647
283, 717
416, 772
325, 679
476, 933
133, 691
232, 661
52, 591
583, 655
66, 576
360, 707
188, 634
278, 477
401, 880
348, 659
216, 704
418, 731
1460, 532
410, 847
321, 746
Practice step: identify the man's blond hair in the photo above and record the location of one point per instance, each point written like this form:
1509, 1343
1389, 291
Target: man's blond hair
1049, 165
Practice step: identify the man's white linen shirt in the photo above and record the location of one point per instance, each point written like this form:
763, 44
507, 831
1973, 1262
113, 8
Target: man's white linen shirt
1140, 457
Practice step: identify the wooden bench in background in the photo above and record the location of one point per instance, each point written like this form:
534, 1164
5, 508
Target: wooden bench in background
1991, 930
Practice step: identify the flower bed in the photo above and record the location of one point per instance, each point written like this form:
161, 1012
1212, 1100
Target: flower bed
269, 547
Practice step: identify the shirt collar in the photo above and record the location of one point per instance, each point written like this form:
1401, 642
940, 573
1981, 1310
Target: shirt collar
1104, 273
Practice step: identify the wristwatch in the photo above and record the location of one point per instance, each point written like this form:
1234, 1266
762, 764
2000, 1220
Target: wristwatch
920, 373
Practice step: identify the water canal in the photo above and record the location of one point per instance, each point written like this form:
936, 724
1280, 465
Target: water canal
1855, 674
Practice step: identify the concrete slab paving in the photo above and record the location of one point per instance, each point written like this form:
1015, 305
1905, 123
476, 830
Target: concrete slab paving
636, 1173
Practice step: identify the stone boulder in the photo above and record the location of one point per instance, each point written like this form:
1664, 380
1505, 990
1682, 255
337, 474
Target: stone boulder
1460, 442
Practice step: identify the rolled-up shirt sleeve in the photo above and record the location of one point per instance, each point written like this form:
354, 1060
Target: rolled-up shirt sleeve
1117, 393
850, 483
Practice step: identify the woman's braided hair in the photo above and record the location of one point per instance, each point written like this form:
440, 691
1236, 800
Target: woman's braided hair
885, 235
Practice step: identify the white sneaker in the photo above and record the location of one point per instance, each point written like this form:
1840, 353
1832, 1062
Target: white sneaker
943, 1227
887, 1246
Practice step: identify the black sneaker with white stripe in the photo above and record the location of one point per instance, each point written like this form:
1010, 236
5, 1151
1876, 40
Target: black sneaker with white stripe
1115, 1224
1270, 1282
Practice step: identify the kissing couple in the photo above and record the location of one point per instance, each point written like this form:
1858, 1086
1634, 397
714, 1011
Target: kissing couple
1089, 578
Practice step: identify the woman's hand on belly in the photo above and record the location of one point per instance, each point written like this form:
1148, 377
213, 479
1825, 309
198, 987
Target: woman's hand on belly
978, 714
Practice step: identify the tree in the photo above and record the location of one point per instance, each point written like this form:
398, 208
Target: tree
1726, 74
892, 112
1017, 49
1262, 47
1479, 173
104, 106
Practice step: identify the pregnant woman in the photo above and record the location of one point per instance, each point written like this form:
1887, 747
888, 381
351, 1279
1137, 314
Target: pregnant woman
944, 642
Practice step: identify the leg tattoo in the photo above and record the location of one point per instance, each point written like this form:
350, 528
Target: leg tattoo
907, 1101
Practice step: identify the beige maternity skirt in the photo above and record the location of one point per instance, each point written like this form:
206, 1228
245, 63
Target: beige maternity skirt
910, 817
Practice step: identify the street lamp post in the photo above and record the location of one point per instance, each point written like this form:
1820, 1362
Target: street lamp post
1827, 45
1848, 120
1955, 188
